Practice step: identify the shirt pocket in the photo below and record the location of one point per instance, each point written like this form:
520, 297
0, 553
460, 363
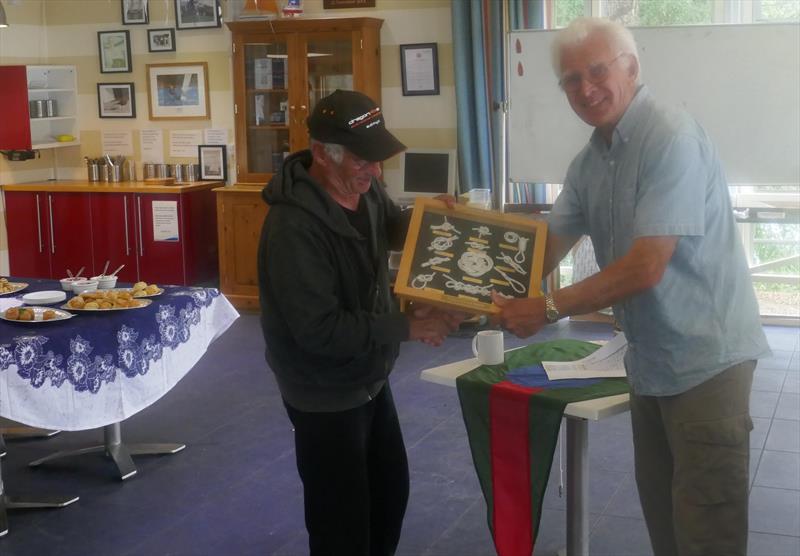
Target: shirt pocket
718, 459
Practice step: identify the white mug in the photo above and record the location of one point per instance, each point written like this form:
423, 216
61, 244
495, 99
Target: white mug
487, 345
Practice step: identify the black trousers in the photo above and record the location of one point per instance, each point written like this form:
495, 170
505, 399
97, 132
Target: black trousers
355, 477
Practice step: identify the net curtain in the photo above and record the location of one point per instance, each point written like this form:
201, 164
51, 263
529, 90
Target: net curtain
478, 59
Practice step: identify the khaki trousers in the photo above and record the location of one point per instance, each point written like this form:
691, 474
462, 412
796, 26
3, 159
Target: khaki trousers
692, 454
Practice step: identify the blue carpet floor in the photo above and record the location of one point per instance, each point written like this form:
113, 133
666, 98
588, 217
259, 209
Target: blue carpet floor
235, 490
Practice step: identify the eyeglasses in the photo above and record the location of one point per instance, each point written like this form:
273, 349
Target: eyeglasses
596, 73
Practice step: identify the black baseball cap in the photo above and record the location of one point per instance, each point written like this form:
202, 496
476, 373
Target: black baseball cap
355, 121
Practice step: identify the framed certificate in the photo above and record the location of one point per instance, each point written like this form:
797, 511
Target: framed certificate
419, 65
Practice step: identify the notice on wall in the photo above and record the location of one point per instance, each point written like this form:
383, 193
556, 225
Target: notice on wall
165, 221
185, 142
215, 136
117, 143
151, 144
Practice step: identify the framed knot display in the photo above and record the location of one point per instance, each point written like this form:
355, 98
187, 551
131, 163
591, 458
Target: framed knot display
456, 257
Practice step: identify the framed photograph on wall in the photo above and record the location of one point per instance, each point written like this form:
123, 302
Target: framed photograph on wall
135, 12
116, 100
178, 91
213, 162
161, 40
115, 51
419, 66
197, 14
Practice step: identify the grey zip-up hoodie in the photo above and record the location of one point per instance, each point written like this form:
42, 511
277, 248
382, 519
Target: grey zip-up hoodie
331, 327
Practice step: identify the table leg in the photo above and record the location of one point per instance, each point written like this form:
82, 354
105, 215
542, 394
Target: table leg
19, 502
577, 487
2, 446
119, 452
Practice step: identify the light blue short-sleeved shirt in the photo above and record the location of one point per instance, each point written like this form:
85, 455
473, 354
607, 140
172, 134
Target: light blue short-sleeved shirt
661, 176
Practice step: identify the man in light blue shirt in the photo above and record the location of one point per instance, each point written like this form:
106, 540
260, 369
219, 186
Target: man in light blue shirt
650, 192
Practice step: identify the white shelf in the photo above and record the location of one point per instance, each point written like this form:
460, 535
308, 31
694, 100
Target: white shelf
58, 83
54, 145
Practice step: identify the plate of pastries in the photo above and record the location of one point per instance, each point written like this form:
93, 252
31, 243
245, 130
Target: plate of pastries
7, 287
143, 289
105, 300
34, 315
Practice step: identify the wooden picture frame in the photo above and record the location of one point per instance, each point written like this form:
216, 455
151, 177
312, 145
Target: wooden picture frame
116, 100
114, 48
135, 12
455, 257
197, 14
178, 91
213, 162
419, 69
161, 40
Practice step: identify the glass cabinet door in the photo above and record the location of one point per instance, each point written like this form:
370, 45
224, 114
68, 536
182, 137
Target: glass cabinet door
329, 63
266, 105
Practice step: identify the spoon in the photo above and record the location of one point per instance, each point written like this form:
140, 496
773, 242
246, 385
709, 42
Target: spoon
105, 268
69, 273
115, 272
81, 270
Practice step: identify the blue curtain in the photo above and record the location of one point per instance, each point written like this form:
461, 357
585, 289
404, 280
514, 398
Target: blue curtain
478, 58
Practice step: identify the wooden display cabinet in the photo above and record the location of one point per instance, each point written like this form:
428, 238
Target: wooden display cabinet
281, 68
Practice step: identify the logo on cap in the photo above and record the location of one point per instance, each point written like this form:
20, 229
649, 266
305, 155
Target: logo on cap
358, 121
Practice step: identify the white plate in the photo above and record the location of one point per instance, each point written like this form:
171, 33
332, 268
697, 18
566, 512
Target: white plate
15, 287
44, 298
38, 312
144, 303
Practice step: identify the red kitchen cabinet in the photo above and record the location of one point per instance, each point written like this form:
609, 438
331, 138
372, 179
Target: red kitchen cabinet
48, 233
177, 237
28, 229
114, 217
161, 237
70, 234
15, 133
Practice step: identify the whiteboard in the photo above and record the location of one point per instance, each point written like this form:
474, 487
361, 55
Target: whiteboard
741, 82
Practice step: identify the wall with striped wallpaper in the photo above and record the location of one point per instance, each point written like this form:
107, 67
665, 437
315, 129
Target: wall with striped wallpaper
65, 32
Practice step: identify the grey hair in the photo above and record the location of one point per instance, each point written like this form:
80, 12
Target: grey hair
334, 151
618, 36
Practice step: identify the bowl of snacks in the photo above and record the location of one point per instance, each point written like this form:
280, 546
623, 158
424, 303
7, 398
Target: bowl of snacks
66, 283
105, 281
82, 286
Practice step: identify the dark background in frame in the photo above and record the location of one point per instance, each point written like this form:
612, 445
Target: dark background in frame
459, 247
339, 4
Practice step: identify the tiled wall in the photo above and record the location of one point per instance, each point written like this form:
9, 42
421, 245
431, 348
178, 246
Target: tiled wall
65, 32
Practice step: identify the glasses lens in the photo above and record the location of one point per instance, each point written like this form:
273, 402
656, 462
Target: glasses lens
571, 83
598, 72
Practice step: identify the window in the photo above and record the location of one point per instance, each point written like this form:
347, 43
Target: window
772, 245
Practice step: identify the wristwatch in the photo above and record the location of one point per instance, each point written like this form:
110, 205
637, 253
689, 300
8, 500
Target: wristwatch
550, 310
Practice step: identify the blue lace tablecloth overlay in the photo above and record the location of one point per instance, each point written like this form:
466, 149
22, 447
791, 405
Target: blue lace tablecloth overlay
101, 367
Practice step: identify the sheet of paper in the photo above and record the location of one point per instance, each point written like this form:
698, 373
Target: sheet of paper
606, 362
117, 143
165, 221
215, 136
151, 143
185, 142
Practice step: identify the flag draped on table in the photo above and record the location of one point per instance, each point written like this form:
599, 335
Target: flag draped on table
513, 413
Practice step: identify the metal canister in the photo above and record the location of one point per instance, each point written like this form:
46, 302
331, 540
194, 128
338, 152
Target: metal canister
149, 170
93, 171
177, 171
114, 172
37, 108
50, 108
191, 172
162, 171
129, 170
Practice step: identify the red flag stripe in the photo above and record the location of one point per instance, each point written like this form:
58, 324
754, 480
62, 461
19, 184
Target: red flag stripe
511, 468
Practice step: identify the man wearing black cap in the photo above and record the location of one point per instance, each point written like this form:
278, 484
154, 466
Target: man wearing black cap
332, 329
